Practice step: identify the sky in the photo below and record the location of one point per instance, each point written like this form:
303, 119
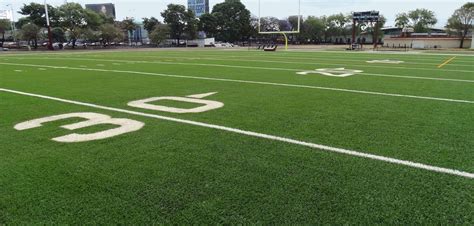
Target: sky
278, 8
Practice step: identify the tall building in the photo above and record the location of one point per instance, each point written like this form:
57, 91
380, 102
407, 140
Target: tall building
106, 8
199, 7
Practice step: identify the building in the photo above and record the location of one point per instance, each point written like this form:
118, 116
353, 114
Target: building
427, 42
105, 8
397, 32
472, 41
140, 34
434, 39
199, 7
6, 14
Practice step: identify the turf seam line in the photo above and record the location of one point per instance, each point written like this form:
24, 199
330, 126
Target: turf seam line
446, 62
253, 82
260, 135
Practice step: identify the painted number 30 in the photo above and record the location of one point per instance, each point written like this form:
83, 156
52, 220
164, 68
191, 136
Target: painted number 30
125, 125
93, 119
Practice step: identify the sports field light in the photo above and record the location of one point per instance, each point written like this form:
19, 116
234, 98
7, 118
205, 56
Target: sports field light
284, 33
50, 35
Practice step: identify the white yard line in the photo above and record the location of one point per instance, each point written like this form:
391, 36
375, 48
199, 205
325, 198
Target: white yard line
417, 77
339, 56
261, 135
245, 60
252, 67
258, 58
252, 82
422, 55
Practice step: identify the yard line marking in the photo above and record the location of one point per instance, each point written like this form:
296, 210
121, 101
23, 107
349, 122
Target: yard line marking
265, 68
253, 82
446, 62
314, 57
241, 60
417, 77
415, 54
318, 58
260, 135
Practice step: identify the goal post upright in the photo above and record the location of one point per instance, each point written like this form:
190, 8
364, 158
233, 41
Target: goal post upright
284, 33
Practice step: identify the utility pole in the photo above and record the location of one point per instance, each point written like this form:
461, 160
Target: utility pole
13, 22
50, 35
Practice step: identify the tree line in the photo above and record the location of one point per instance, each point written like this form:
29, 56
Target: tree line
229, 21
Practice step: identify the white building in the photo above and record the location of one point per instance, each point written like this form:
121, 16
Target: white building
6, 14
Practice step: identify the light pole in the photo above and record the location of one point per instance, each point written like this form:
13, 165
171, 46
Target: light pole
13, 22
50, 35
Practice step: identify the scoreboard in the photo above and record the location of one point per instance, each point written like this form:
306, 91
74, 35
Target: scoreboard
368, 16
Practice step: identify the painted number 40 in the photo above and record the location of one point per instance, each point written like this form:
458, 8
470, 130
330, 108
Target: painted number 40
125, 125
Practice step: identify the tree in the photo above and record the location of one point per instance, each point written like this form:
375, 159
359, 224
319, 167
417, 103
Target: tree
160, 34
58, 34
269, 24
253, 27
109, 33
180, 22
208, 23
191, 28
233, 20
338, 25
420, 20
376, 28
31, 32
150, 23
5, 25
284, 25
313, 29
129, 26
36, 14
461, 22
22, 21
293, 20
106, 19
90, 35
76, 20
402, 21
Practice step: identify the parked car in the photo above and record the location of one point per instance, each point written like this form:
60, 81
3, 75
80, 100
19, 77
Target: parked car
78, 45
10, 45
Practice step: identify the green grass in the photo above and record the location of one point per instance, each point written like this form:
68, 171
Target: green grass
170, 172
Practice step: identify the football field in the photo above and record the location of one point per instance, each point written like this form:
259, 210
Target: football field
220, 136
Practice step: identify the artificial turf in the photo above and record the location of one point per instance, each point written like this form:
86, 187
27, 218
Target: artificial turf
170, 172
